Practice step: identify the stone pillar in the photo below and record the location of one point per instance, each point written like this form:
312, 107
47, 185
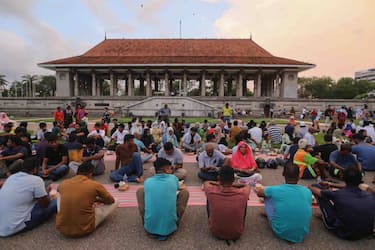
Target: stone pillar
258, 85
142, 86
98, 86
221, 84
93, 84
203, 83
76, 83
148, 86
281, 85
111, 83
184, 83
239, 91
244, 87
130, 84
166, 82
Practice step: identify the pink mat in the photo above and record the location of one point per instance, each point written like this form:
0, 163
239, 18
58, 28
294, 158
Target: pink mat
197, 196
191, 158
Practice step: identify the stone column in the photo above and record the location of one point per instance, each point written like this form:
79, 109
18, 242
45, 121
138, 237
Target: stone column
184, 83
166, 82
239, 91
93, 84
148, 86
142, 86
115, 85
98, 86
76, 83
281, 85
130, 84
221, 84
111, 83
203, 83
258, 86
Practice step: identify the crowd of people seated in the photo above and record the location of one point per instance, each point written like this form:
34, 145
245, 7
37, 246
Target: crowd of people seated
225, 152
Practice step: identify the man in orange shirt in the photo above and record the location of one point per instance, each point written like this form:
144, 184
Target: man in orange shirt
309, 167
58, 115
78, 210
235, 130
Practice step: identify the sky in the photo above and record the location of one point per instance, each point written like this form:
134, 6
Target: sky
336, 35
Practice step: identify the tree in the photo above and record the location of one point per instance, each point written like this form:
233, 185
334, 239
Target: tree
29, 81
3, 81
47, 86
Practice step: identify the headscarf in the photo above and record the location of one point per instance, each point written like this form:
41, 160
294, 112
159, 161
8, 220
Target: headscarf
162, 127
4, 119
240, 161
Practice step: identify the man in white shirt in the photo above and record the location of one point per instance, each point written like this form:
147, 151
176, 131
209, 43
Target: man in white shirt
310, 137
256, 133
119, 134
25, 203
99, 135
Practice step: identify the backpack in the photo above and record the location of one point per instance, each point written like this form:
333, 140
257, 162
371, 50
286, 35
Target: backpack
271, 163
261, 163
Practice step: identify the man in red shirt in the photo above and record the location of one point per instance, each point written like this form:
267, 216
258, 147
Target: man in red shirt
58, 115
226, 205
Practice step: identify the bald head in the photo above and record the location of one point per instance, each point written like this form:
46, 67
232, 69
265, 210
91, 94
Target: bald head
210, 148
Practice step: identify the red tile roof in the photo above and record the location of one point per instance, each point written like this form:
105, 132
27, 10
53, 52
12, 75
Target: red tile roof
176, 51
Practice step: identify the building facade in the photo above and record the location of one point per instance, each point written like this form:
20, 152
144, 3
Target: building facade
154, 67
368, 75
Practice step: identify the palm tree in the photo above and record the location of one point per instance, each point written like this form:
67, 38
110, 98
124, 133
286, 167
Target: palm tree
3, 81
29, 81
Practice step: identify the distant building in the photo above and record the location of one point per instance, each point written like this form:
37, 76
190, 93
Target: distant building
368, 75
155, 63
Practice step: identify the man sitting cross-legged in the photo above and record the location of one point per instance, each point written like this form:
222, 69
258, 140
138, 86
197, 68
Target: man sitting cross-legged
131, 162
55, 161
24, 201
91, 153
191, 141
175, 156
160, 208
209, 163
226, 205
341, 159
78, 210
288, 206
349, 212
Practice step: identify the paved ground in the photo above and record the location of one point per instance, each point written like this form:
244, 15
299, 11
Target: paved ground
123, 229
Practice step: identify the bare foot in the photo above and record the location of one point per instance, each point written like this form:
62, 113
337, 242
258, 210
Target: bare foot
140, 179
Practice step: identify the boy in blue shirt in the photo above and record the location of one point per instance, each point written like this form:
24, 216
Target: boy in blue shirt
158, 205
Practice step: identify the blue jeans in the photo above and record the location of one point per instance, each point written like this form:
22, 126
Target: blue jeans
40, 215
57, 173
269, 209
133, 170
208, 176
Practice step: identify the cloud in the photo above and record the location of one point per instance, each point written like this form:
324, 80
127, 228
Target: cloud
38, 42
337, 35
107, 17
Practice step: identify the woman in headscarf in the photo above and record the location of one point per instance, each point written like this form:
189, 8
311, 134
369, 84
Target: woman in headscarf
148, 140
220, 137
162, 127
156, 132
169, 137
244, 164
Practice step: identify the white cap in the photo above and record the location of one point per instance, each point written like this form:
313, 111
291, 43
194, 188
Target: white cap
302, 143
302, 124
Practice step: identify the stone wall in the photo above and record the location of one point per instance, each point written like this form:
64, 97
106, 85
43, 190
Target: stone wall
196, 106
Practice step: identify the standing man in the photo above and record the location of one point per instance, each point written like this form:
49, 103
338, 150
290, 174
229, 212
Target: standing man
226, 205
288, 206
165, 113
25, 203
78, 213
227, 113
158, 205
58, 116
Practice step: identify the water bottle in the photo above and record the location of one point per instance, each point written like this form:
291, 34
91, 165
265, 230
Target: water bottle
125, 178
